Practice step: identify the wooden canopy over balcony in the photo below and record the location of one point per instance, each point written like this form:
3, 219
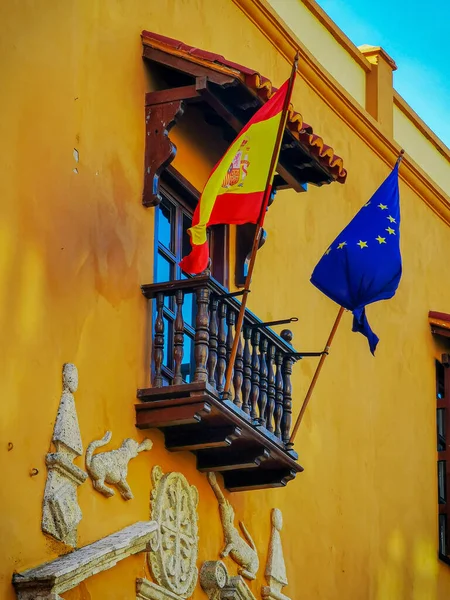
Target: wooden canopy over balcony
228, 95
245, 435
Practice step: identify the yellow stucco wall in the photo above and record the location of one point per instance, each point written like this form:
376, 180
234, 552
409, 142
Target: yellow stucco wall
319, 41
426, 155
360, 522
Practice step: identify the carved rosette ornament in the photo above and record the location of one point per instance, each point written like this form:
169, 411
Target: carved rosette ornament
174, 507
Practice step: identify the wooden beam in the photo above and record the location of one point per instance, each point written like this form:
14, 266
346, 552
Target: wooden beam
230, 460
177, 63
171, 416
185, 92
193, 438
257, 479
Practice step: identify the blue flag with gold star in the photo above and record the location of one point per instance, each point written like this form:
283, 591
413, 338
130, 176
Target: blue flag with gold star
364, 264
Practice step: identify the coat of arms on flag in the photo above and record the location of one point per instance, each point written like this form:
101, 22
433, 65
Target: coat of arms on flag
238, 169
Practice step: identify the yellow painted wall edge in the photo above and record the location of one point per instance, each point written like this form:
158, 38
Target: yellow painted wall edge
338, 34
334, 95
401, 103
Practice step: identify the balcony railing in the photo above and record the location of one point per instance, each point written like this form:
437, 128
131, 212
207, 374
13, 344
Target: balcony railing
193, 333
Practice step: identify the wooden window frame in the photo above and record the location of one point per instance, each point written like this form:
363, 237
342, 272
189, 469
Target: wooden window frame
178, 191
443, 458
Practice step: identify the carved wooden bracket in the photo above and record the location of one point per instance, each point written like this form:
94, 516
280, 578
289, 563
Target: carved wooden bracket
162, 111
159, 150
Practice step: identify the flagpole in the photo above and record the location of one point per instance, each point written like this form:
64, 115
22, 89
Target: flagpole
324, 355
316, 375
258, 232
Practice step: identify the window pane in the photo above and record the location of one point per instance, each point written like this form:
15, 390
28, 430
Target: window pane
440, 381
166, 219
189, 310
442, 491
188, 364
186, 240
164, 269
440, 418
443, 534
168, 340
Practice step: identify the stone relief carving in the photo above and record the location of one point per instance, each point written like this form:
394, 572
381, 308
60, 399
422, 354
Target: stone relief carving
275, 572
174, 506
243, 553
147, 590
48, 580
112, 467
218, 585
60, 511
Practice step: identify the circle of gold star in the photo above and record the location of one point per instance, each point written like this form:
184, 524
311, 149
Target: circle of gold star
380, 240
362, 244
382, 206
341, 245
391, 219
390, 231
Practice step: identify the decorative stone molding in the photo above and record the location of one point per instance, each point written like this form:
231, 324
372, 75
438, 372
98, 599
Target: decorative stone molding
174, 506
218, 585
275, 572
112, 467
243, 553
60, 511
50, 579
147, 590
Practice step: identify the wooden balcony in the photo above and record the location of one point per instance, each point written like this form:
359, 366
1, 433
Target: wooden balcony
245, 435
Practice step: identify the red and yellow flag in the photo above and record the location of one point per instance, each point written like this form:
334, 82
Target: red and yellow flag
235, 189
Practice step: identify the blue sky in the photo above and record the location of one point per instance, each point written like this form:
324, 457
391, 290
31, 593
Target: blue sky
416, 34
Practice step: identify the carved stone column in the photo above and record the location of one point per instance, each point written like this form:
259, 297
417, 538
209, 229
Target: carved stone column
60, 512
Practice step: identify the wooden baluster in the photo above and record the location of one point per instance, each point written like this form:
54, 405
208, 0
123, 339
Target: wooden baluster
286, 421
278, 393
178, 338
287, 399
213, 337
158, 342
254, 396
270, 389
221, 349
262, 403
201, 339
231, 319
238, 374
247, 380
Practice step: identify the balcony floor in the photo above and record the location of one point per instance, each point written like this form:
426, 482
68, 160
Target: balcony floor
224, 438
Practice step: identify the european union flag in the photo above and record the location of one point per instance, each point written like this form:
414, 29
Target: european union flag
364, 264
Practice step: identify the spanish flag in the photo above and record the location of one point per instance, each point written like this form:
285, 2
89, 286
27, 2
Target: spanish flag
235, 189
